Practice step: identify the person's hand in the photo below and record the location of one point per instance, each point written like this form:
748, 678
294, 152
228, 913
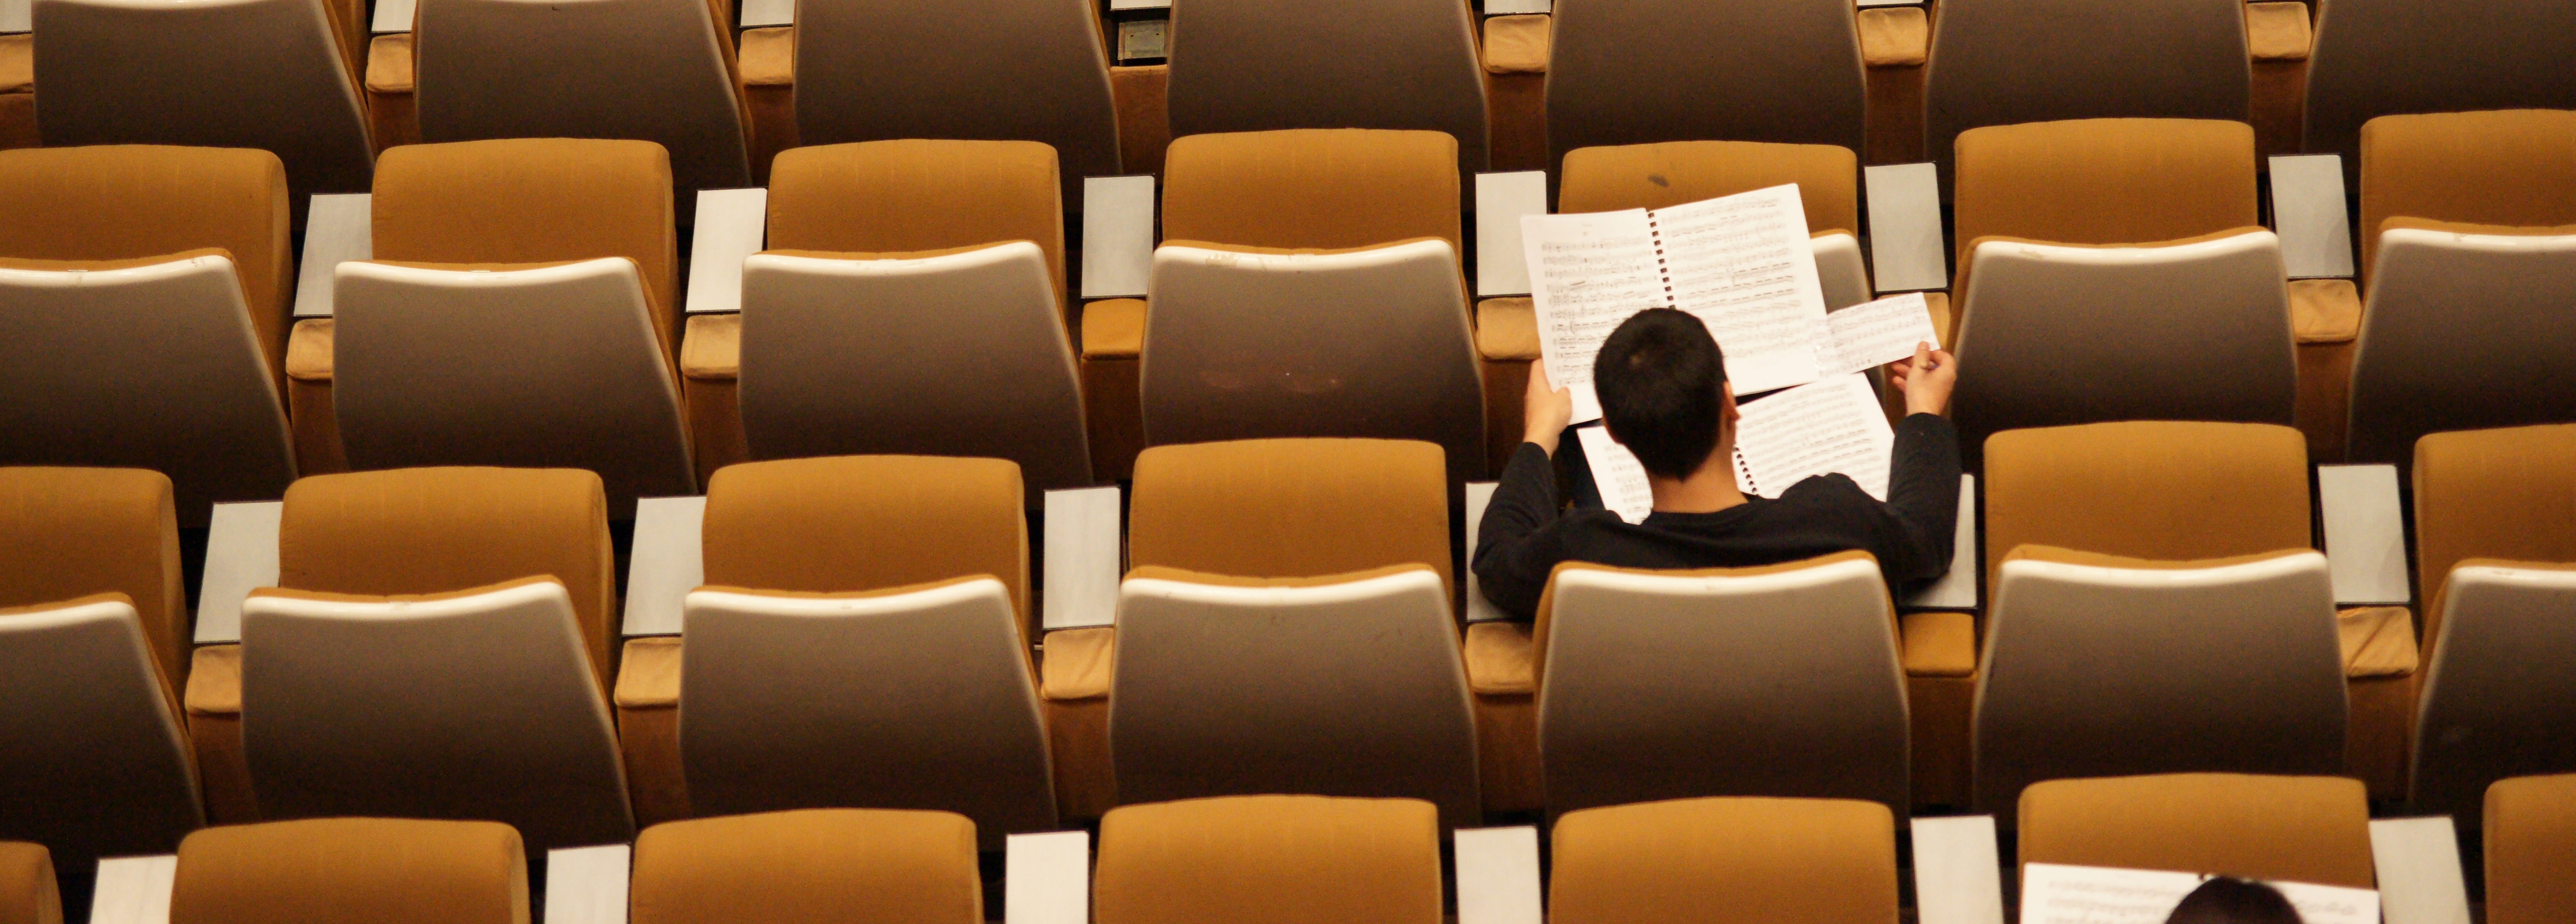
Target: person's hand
1926, 379
1546, 411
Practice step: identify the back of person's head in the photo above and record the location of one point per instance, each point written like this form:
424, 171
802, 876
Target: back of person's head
2234, 901
1660, 377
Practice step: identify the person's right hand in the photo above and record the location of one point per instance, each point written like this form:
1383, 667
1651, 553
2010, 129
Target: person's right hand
1926, 379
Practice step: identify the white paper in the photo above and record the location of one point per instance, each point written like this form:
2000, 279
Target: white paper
1117, 235
731, 226
337, 228
1957, 588
758, 13
587, 885
1480, 495
134, 890
1957, 879
241, 556
1743, 265
1587, 273
1835, 425
1873, 334
1502, 199
2365, 533
668, 561
1498, 875
1905, 246
1046, 878
2058, 894
2418, 861
1617, 472
1081, 558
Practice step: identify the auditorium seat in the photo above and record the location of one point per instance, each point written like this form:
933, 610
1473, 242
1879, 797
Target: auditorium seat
2387, 57
2469, 252
520, 310
1269, 860
1726, 861
2530, 836
2116, 269
1629, 72
863, 641
275, 75
648, 70
1308, 285
2497, 551
148, 291
809, 867
2310, 829
2007, 62
1251, 66
2156, 607
1781, 680
28, 894
1288, 626
93, 633
912, 301
486, 700
352, 871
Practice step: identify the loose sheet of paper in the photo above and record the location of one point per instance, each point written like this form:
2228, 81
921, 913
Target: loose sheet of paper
1873, 334
1743, 265
1588, 272
1616, 471
1835, 425
2058, 894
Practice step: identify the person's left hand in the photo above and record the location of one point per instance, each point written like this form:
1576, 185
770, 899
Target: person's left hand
1545, 412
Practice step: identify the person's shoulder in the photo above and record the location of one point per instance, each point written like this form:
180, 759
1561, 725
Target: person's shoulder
1828, 488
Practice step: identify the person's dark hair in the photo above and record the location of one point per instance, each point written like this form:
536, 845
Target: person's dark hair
2234, 901
1660, 376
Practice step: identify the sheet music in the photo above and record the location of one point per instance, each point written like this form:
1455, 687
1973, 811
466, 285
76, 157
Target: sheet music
1835, 425
2058, 894
1588, 272
1616, 471
1743, 265
1871, 334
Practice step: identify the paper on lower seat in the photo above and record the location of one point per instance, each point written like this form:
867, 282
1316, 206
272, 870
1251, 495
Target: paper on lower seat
2059, 894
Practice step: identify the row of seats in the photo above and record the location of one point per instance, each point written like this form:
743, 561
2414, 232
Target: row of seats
1289, 624
1617, 73
1284, 858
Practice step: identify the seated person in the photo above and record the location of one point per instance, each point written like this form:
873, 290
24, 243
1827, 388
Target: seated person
1664, 396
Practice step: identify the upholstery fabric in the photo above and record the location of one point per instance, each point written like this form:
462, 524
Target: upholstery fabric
2104, 181
1653, 176
2147, 489
2014, 62
116, 202
1940, 643
2297, 828
866, 523
1312, 188
1516, 44
2512, 167
2374, 58
27, 892
1641, 72
1500, 658
1250, 66
1895, 36
74, 532
1290, 507
1144, 124
389, 67
393, 109
1079, 663
534, 200
916, 195
1726, 861
1269, 860
2277, 31
349, 870
2530, 831
2378, 641
2505, 494
1546, 618
437, 530
842, 866
768, 61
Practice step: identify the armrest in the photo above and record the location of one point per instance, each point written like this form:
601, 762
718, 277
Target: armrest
1113, 329
1516, 44
648, 677
1939, 643
1117, 235
1507, 329
308, 350
2365, 532
1497, 875
134, 890
731, 225
1502, 199
337, 228
241, 556
668, 561
711, 348
1501, 659
768, 57
1079, 664
1046, 878
2277, 31
214, 681
2418, 862
587, 885
2325, 310
1480, 494
1082, 558
1957, 878
1958, 588
1895, 36
1906, 251
2378, 641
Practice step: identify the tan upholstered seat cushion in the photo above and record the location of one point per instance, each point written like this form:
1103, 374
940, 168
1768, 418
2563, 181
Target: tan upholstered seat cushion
2277, 31
438, 530
17, 63
1516, 44
27, 891
2505, 494
1653, 176
2298, 828
866, 523
2511, 167
117, 202
1318, 188
1507, 329
2104, 181
819, 866
2530, 836
916, 195
74, 532
380, 870
534, 200
1269, 860
1895, 36
1290, 507
2175, 491
1725, 861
